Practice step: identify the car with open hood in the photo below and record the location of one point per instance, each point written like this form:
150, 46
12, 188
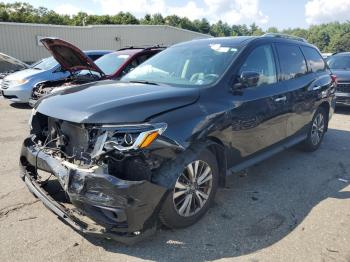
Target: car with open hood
83, 70
18, 87
154, 147
339, 63
9, 65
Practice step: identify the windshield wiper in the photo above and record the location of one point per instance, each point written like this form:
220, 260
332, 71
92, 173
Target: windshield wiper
144, 82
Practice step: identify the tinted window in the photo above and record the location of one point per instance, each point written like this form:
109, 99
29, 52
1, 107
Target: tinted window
339, 62
314, 59
110, 63
292, 61
261, 61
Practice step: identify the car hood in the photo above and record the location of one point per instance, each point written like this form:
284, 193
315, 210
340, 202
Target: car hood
342, 75
11, 60
70, 57
25, 74
111, 102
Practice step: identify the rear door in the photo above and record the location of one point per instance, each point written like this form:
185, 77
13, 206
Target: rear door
300, 76
259, 115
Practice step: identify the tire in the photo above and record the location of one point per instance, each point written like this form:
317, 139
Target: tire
311, 143
173, 216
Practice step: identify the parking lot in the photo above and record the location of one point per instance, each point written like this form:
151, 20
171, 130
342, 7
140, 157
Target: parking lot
292, 207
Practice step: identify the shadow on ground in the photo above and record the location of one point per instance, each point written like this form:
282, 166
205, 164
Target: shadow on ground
257, 210
20, 106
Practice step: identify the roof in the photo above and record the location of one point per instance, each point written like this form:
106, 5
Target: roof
341, 54
97, 52
232, 40
113, 25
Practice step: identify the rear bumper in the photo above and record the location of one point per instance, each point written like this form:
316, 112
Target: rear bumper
104, 205
342, 98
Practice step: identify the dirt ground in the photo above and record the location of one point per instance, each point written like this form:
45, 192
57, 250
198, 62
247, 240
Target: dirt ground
292, 207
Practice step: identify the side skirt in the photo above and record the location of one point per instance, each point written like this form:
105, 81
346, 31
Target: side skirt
266, 154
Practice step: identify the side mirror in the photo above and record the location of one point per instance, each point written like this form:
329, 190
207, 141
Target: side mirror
249, 78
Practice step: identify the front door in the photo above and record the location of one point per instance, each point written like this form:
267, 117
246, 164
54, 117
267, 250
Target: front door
259, 113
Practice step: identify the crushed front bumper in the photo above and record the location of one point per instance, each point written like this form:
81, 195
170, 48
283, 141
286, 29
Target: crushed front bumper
104, 205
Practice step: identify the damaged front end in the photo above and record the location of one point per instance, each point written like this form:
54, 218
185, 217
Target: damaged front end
106, 173
45, 88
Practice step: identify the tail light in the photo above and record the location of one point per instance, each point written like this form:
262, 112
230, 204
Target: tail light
334, 79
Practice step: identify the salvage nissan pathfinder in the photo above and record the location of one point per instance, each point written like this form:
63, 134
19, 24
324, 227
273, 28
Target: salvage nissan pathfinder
156, 146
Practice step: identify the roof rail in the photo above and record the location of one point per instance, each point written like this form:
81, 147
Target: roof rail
142, 47
292, 37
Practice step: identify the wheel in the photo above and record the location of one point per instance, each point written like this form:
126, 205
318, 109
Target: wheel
316, 131
193, 192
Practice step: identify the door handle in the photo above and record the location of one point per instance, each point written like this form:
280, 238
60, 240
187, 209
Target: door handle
280, 99
316, 88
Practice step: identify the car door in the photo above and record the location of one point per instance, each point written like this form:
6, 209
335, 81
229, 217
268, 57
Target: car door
259, 113
300, 81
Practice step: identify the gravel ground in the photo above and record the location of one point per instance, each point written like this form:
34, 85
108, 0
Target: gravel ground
292, 207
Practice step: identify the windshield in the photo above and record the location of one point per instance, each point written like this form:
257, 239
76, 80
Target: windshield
110, 63
339, 62
185, 65
46, 64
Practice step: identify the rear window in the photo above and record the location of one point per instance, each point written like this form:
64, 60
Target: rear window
292, 61
314, 59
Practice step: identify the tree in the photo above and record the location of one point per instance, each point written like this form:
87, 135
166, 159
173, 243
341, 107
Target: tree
340, 43
328, 37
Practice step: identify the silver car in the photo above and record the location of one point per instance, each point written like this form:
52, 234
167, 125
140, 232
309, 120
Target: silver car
17, 87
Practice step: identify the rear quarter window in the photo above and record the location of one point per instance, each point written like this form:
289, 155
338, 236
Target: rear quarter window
314, 59
292, 61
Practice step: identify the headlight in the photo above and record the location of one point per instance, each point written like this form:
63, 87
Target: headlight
31, 118
125, 138
19, 81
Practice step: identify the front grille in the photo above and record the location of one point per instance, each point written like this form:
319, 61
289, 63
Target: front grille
343, 87
5, 84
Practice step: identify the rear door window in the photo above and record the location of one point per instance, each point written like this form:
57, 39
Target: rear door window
292, 61
314, 59
261, 61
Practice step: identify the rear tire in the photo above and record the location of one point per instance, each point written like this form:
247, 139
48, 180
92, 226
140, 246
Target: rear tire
192, 195
317, 129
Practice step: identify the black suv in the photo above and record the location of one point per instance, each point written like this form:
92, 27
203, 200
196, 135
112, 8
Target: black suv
155, 146
339, 63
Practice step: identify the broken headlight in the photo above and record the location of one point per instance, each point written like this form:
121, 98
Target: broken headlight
125, 138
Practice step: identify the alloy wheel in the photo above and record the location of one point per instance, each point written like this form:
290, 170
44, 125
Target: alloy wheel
317, 129
193, 188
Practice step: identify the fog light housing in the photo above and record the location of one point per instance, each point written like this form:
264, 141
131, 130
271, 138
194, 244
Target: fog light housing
77, 183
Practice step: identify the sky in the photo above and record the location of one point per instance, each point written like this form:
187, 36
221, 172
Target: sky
265, 13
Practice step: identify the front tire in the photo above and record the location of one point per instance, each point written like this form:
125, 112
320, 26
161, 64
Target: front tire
316, 131
193, 192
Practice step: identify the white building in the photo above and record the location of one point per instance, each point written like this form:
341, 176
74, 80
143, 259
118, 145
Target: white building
22, 40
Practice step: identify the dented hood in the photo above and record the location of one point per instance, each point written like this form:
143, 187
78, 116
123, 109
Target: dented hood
111, 102
70, 57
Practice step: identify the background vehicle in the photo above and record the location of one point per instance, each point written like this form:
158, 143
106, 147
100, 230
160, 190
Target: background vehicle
17, 87
339, 63
9, 65
159, 143
111, 66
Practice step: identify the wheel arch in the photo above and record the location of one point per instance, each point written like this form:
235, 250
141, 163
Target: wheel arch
325, 105
218, 149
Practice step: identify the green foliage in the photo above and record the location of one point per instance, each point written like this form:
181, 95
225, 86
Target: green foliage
331, 37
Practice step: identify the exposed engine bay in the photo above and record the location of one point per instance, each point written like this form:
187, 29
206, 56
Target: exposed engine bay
107, 149
45, 88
